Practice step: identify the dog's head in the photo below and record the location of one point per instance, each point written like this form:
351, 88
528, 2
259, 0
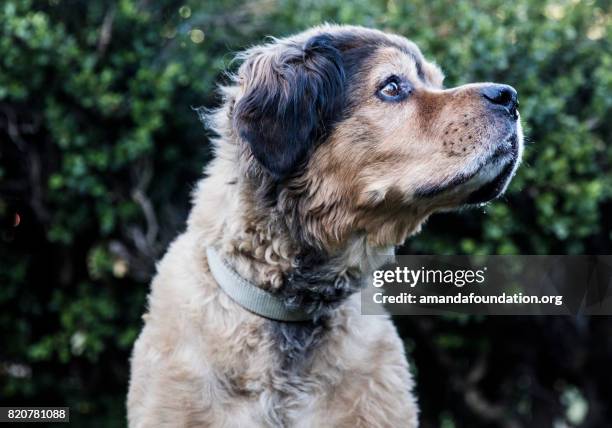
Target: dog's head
354, 126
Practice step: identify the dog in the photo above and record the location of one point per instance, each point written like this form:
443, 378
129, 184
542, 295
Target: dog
333, 146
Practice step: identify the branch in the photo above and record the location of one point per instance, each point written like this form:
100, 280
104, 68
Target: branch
145, 242
106, 31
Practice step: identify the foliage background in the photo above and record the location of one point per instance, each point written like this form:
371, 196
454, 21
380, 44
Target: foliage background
99, 147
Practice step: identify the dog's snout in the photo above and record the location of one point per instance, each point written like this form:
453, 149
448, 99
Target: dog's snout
504, 96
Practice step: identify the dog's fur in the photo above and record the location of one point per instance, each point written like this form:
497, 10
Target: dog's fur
315, 176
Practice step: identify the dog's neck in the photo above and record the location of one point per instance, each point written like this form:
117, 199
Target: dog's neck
262, 249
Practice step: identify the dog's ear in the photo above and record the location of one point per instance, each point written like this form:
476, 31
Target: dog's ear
292, 94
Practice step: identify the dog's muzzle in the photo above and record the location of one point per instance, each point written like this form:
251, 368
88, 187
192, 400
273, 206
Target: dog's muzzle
508, 156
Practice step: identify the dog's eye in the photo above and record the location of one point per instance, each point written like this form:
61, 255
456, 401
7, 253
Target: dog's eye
393, 90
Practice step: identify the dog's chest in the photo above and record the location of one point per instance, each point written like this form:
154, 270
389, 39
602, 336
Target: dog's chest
283, 378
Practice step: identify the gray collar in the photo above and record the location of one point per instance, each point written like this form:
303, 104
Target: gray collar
248, 295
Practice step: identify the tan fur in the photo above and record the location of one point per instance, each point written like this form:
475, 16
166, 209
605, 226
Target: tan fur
201, 360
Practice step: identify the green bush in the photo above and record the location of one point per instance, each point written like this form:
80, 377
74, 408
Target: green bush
100, 147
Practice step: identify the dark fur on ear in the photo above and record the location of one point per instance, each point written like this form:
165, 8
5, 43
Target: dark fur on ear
292, 96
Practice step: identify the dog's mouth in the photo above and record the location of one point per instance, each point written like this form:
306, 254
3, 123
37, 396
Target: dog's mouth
506, 156
488, 181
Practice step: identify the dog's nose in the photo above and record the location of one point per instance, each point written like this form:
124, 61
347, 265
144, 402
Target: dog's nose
502, 95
